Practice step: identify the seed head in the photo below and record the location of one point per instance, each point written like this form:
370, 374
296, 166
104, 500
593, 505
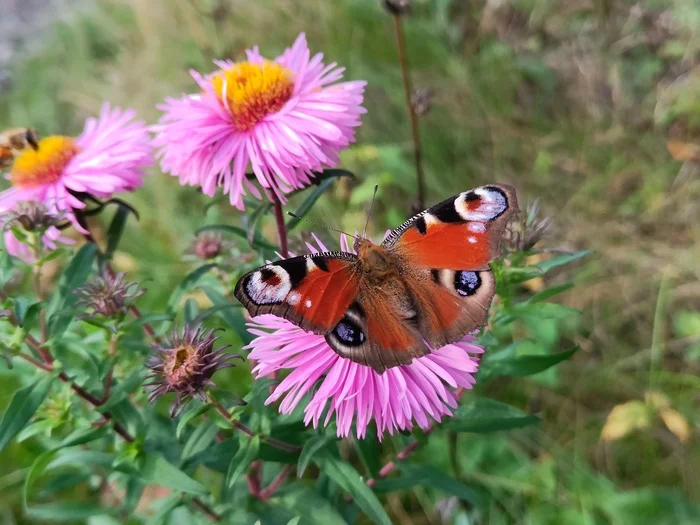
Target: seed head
185, 364
528, 229
33, 216
397, 7
108, 295
422, 100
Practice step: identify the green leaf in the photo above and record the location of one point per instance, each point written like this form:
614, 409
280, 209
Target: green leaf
311, 199
506, 363
66, 511
191, 310
203, 435
246, 454
554, 262
121, 390
258, 242
40, 463
550, 292
116, 228
73, 277
311, 447
350, 481
488, 415
157, 470
22, 408
230, 313
311, 507
188, 282
435, 479
192, 411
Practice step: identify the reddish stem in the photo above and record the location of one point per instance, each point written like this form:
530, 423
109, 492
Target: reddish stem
406, 452
415, 131
253, 479
281, 225
276, 483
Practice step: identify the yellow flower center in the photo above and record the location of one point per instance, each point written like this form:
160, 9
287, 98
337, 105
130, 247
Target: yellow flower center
45, 165
250, 91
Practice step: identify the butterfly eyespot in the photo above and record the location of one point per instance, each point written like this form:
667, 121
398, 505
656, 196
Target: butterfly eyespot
349, 333
467, 283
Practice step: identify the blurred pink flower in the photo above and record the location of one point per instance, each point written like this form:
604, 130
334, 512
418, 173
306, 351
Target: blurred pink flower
108, 157
285, 118
396, 400
50, 240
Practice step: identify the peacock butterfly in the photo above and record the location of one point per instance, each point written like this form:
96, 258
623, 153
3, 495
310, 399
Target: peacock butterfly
429, 281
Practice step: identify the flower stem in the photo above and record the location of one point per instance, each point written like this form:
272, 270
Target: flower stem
281, 225
221, 409
415, 131
406, 452
275, 484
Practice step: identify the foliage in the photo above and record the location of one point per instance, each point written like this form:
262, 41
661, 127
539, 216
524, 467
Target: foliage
528, 93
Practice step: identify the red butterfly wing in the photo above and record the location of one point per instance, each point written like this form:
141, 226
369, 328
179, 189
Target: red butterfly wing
312, 291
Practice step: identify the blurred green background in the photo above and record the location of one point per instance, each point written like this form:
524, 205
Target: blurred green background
592, 106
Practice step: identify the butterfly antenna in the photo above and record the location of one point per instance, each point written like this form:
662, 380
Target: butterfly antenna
319, 224
369, 213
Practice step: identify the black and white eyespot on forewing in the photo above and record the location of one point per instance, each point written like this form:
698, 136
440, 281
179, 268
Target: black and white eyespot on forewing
481, 204
268, 285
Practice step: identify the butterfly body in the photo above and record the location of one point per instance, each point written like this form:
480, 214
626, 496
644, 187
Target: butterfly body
428, 282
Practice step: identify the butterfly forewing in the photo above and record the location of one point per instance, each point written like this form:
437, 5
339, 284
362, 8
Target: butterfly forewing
312, 291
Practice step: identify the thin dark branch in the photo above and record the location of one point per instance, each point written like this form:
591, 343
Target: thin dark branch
415, 131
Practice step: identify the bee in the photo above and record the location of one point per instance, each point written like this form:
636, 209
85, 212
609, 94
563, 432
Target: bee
13, 141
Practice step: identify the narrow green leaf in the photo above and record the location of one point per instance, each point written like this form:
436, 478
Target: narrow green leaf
550, 292
246, 454
233, 316
309, 202
203, 435
194, 410
116, 228
311, 447
66, 511
312, 508
561, 260
191, 310
22, 408
506, 363
350, 481
188, 282
166, 506
435, 479
258, 242
488, 415
156, 469
40, 463
72, 278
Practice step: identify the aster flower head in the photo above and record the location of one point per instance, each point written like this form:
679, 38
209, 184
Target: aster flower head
108, 295
31, 230
397, 7
524, 232
185, 364
396, 400
207, 246
108, 157
284, 118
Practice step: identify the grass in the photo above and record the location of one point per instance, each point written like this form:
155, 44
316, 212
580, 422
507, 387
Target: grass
569, 103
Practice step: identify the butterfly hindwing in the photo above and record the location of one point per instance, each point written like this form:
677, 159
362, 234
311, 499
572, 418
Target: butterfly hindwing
379, 329
312, 291
444, 254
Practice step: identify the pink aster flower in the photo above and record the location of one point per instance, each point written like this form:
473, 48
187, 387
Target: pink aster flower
285, 118
108, 157
402, 396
